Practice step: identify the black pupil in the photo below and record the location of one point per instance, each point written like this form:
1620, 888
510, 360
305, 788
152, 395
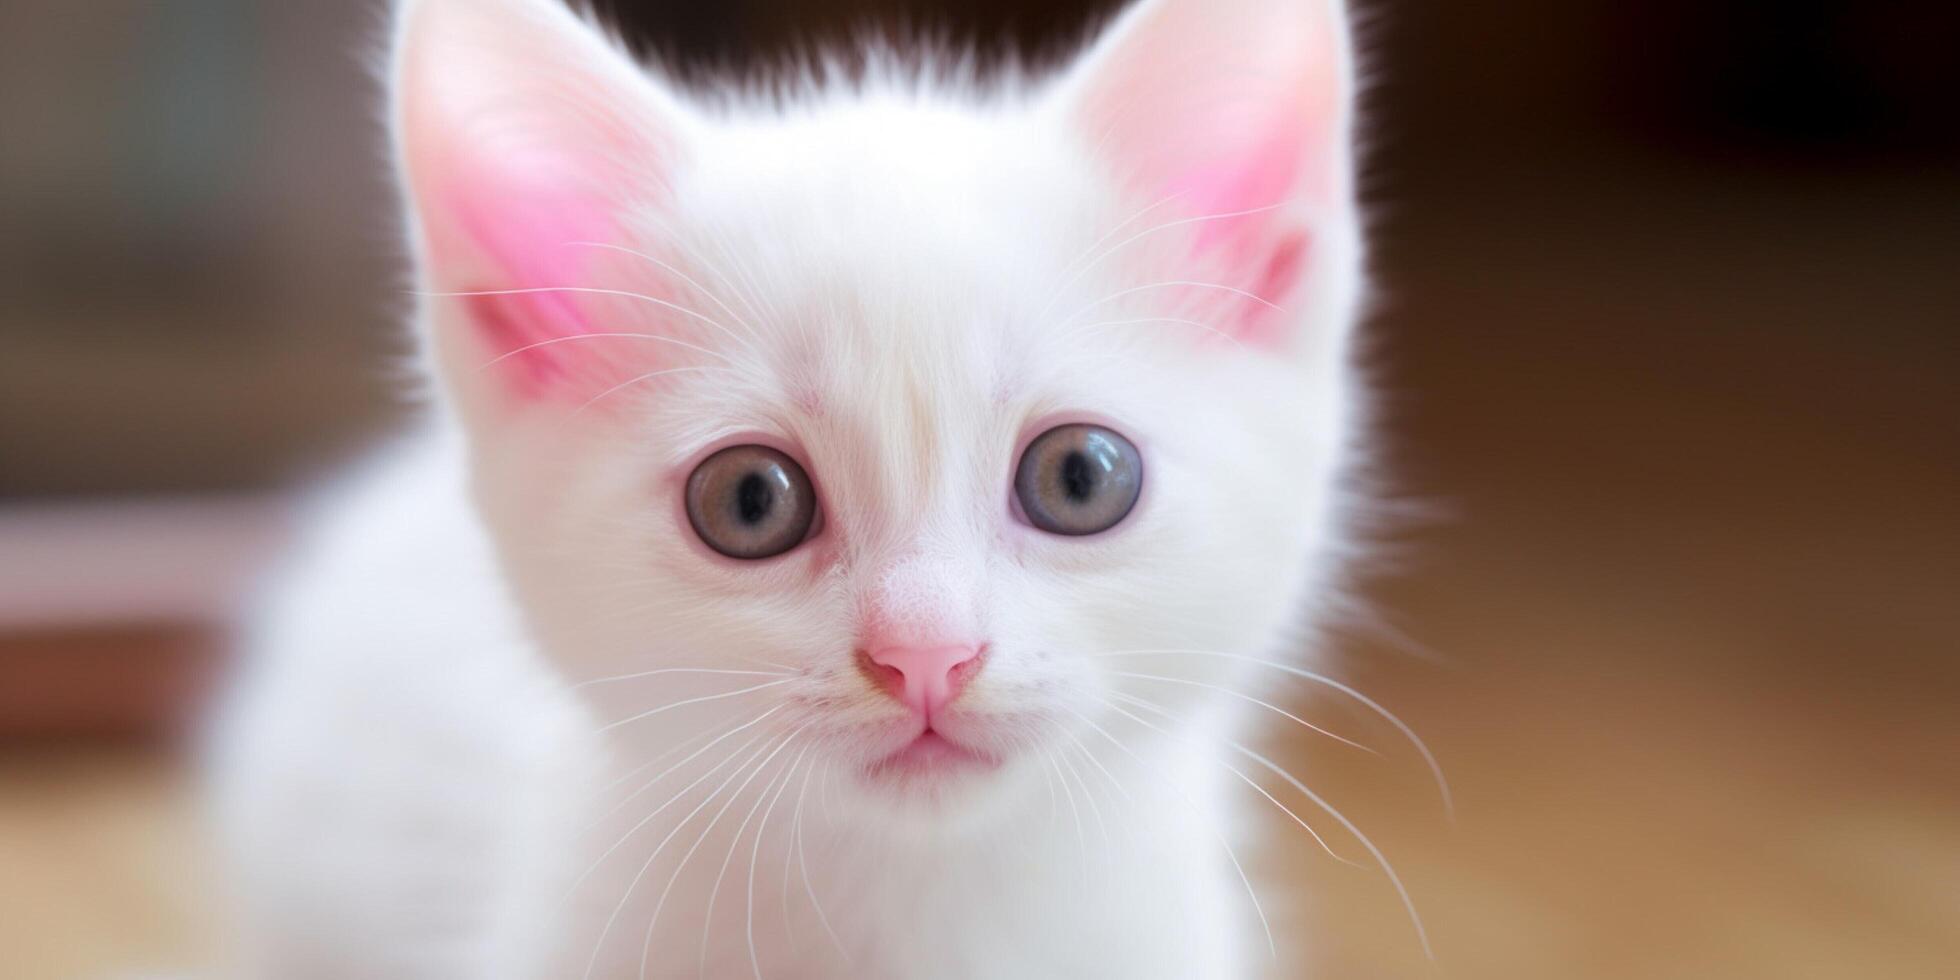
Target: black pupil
1078, 477
753, 498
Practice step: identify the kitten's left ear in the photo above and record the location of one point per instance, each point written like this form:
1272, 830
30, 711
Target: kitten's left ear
1232, 108
522, 132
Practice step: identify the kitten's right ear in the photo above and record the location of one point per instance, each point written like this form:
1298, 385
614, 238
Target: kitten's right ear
1234, 115
520, 132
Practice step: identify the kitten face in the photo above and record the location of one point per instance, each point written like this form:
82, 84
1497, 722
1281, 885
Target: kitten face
894, 292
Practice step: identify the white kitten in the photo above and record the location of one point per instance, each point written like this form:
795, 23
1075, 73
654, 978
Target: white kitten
811, 480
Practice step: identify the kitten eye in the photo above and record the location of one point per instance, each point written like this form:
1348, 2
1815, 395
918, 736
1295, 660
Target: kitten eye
750, 502
1078, 479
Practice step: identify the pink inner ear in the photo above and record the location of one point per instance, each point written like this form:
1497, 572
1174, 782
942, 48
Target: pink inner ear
524, 225
1275, 277
1264, 250
517, 226
1263, 177
524, 134
1228, 106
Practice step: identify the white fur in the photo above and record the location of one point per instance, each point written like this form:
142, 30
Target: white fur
412, 781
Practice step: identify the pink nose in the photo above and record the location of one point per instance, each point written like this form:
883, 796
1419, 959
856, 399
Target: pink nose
929, 677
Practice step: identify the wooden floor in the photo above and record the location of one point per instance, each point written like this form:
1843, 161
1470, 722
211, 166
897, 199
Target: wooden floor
1690, 604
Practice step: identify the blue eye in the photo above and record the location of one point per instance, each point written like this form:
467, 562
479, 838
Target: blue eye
1078, 479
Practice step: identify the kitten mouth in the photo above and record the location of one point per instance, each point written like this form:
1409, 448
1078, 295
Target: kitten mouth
931, 754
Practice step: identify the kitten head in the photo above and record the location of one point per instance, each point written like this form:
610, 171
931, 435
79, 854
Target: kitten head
889, 423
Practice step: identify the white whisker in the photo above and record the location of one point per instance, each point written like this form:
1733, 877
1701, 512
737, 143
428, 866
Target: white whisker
789, 853
734, 843
1408, 904
598, 945
1098, 763
1081, 836
1094, 809
1171, 283
676, 670
649, 784
1428, 757
590, 291
1056, 293
637, 379
1296, 719
608, 335
678, 747
1251, 894
721, 278
823, 796
1054, 802
1177, 321
1147, 232
755, 852
671, 800
697, 700
1234, 770
809, 890
646, 944
746, 289
685, 278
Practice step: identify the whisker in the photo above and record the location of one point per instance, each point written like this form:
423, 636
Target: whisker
1251, 894
823, 796
1428, 757
1081, 837
734, 843
1054, 802
747, 289
1250, 699
1234, 770
1095, 810
680, 746
1091, 756
789, 853
646, 944
605, 930
1098, 763
755, 852
1147, 232
1178, 321
809, 890
1361, 617
721, 278
697, 700
1168, 283
638, 379
671, 800
586, 290
683, 277
1116, 229
649, 784
608, 335
675, 670
1408, 904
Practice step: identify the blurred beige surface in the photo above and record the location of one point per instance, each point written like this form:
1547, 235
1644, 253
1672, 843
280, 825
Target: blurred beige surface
1693, 620
102, 872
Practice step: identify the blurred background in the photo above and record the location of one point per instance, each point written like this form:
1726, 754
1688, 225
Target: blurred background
1669, 340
